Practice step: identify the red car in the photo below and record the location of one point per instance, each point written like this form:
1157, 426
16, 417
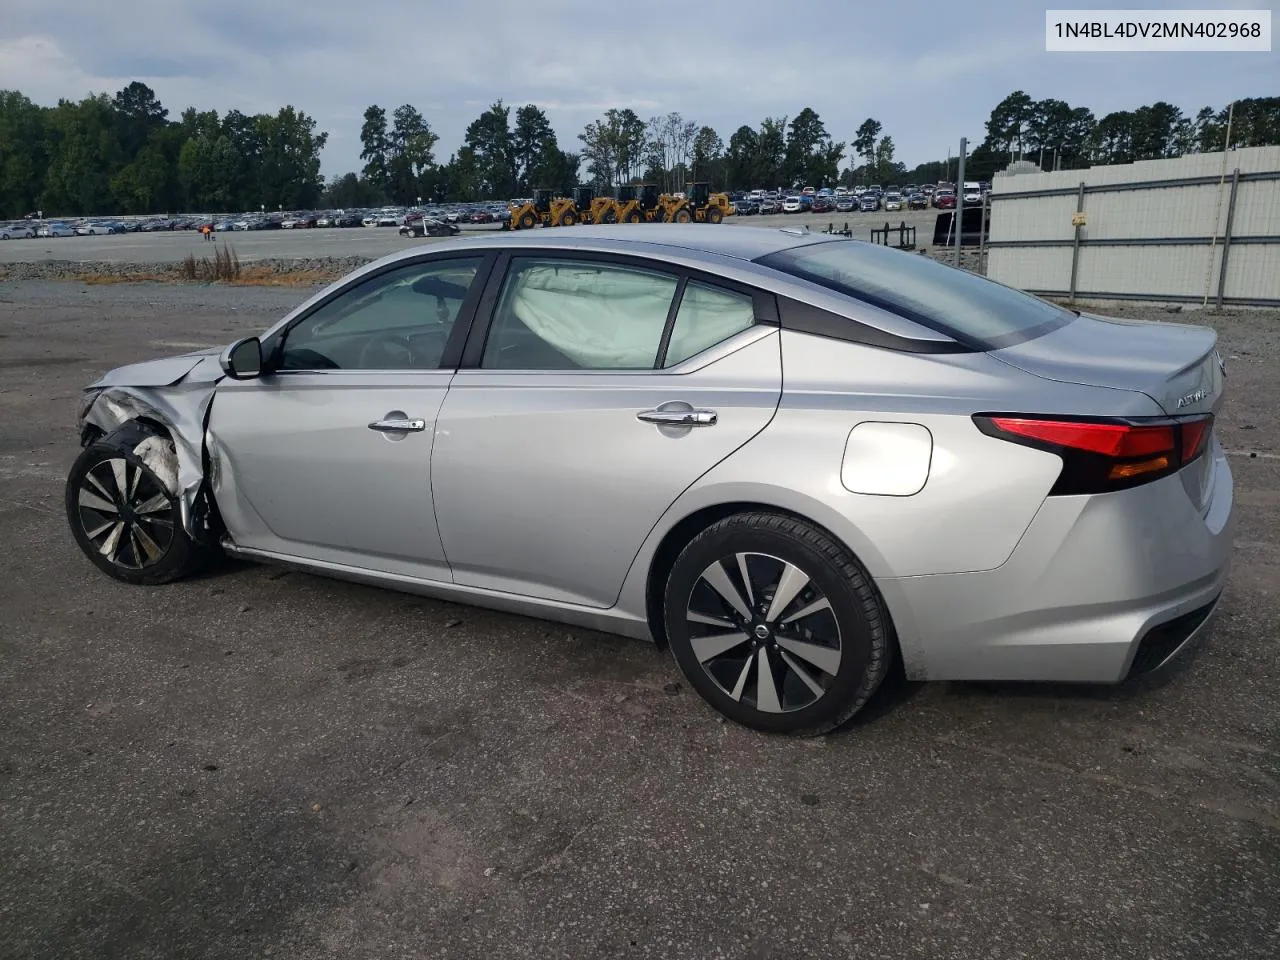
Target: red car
823, 205
944, 201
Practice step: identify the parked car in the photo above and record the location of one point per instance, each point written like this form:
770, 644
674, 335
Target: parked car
793, 205
348, 220
17, 231
917, 201
746, 207
429, 227
944, 200
778, 506
55, 230
869, 202
823, 203
768, 205
846, 202
893, 201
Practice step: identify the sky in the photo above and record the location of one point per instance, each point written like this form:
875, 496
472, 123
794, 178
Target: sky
930, 72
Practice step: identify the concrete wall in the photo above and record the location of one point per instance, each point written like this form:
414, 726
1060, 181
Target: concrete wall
1149, 239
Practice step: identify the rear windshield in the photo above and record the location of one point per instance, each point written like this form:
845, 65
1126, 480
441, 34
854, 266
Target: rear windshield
975, 311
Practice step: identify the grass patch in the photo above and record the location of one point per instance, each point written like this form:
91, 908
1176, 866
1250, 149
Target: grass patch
266, 277
108, 278
225, 266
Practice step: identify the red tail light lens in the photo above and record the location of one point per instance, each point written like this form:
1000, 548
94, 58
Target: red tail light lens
1106, 454
1108, 439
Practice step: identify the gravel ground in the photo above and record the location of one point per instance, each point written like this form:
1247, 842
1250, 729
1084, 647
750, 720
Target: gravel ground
258, 763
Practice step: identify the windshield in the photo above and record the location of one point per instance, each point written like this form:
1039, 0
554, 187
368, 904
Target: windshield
976, 311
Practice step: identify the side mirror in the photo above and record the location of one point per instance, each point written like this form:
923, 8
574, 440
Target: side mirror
243, 359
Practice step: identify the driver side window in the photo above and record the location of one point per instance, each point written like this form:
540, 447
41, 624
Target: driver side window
398, 320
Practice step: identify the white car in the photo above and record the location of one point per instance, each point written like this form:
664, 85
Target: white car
94, 230
893, 201
369, 221
17, 231
792, 205
55, 230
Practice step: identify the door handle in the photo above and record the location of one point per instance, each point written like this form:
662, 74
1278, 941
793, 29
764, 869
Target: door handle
679, 418
398, 426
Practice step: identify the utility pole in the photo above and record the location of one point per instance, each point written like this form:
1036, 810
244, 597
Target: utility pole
959, 213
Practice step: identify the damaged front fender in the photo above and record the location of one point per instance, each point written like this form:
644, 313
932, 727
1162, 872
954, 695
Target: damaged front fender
181, 410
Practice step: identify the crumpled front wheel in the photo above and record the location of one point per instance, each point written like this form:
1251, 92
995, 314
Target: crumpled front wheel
125, 519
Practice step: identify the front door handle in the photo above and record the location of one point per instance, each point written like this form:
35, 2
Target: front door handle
679, 418
398, 426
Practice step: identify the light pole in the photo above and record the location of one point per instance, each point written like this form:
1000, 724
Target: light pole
419, 203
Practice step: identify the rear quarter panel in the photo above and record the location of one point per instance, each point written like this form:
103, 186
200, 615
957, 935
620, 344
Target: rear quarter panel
981, 494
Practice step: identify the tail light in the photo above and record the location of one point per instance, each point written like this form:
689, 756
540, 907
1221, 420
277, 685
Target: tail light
1101, 455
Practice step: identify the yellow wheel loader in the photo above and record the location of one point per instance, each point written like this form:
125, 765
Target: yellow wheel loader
546, 209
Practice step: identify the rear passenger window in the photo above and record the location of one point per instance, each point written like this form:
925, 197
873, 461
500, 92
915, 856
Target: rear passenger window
578, 315
707, 316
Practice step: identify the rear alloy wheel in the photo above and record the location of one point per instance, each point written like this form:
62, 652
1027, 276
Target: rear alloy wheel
125, 520
775, 624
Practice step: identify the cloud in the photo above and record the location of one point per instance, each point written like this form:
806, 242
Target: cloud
930, 73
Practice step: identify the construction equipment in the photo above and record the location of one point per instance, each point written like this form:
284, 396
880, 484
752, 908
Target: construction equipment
638, 203
545, 208
698, 205
593, 209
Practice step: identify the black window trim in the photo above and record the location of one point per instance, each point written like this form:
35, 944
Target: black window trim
765, 306
273, 346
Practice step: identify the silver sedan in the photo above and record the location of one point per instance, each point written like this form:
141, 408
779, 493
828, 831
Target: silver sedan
790, 458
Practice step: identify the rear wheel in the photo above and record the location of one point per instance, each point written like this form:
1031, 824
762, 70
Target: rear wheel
125, 520
633, 216
527, 221
568, 218
775, 624
681, 216
714, 215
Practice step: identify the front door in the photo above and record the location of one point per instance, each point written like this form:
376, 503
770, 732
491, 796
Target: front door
328, 457
604, 390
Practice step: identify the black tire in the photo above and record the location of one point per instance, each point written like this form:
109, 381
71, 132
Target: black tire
714, 215
633, 216
853, 617
682, 215
162, 553
568, 219
527, 221
609, 216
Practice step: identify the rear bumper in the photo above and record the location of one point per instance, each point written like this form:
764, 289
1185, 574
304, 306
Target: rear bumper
1097, 589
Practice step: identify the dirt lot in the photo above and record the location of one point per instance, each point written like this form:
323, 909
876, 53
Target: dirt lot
261, 764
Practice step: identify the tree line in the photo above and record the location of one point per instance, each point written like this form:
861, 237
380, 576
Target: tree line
124, 154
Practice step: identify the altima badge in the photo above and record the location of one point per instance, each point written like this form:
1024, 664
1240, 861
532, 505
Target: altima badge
1191, 398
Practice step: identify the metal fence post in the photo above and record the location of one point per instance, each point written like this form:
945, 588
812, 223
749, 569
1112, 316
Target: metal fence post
958, 216
1075, 246
1226, 238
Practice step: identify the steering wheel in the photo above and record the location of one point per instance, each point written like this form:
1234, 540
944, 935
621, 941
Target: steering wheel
385, 351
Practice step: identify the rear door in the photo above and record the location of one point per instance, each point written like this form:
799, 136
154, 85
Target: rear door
600, 389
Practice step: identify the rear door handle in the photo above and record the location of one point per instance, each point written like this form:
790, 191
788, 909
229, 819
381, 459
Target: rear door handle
679, 418
398, 426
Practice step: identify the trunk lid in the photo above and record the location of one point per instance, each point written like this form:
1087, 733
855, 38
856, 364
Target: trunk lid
1176, 365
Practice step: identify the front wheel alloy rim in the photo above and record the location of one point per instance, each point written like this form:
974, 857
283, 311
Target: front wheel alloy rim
764, 632
125, 514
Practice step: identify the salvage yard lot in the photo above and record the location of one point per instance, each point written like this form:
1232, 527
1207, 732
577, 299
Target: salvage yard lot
368, 242
264, 763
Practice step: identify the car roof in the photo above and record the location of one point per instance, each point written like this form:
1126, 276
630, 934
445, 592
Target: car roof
739, 243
